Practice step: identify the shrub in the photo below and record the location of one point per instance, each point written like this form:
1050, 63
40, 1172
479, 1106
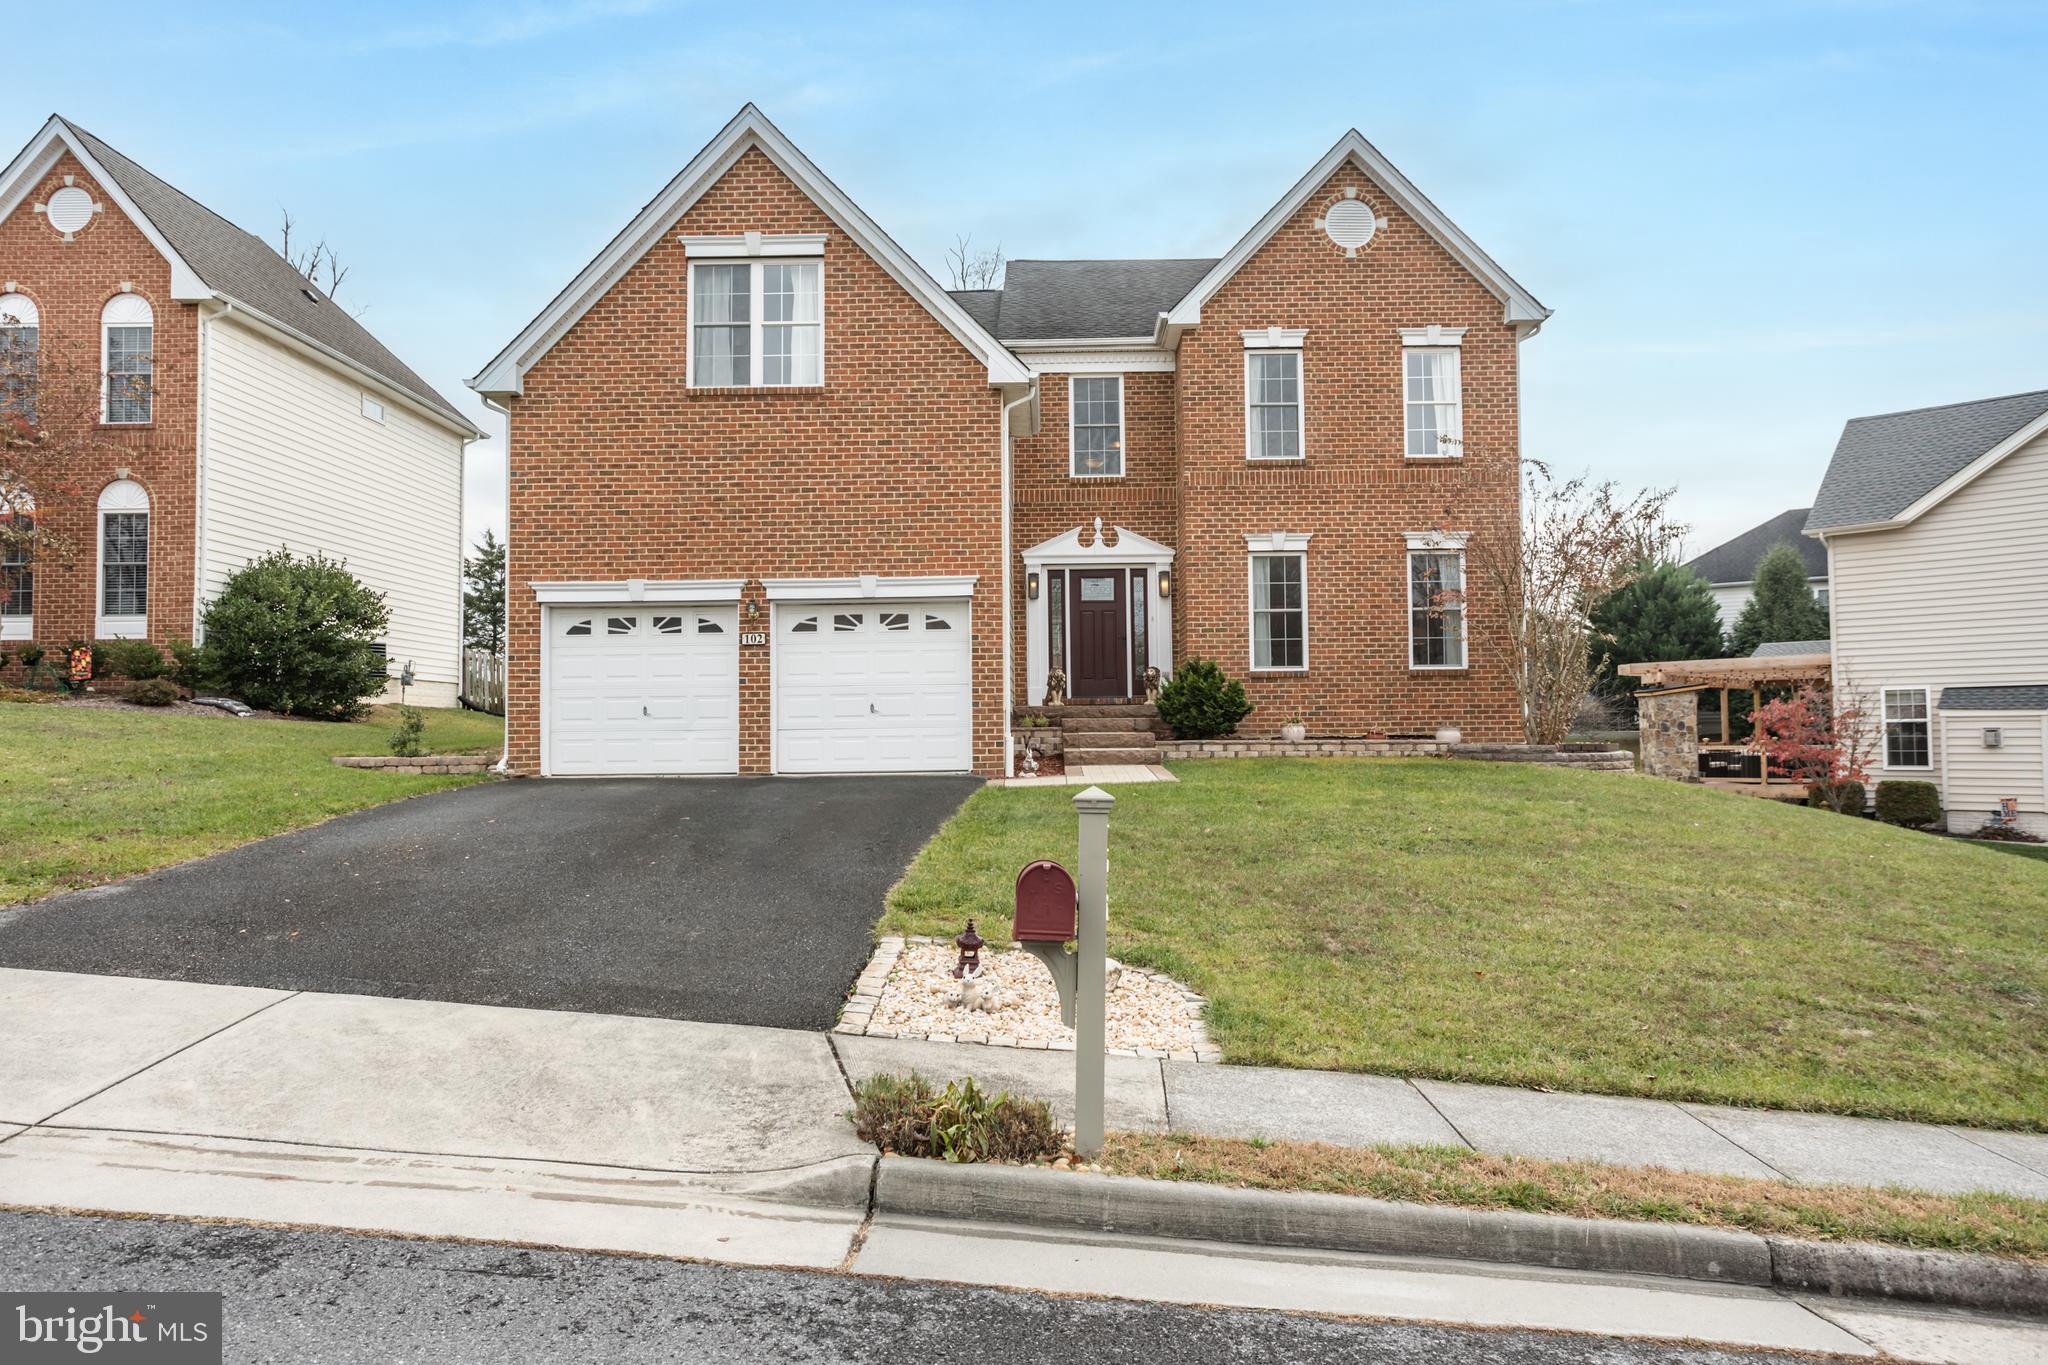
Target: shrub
150, 692
136, 659
1844, 797
1908, 803
1198, 702
296, 635
30, 655
188, 666
905, 1115
405, 740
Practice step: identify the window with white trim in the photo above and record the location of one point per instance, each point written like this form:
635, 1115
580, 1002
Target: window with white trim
757, 324
1095, 426
1434, 401
17, 580
1272, 399
124, 560
20, 354
1279, 610
1436, 608
127, 339
1907, 728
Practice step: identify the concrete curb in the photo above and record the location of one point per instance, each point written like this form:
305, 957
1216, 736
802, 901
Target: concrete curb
1338, 1222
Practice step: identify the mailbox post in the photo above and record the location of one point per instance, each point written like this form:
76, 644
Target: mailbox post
1091, 1027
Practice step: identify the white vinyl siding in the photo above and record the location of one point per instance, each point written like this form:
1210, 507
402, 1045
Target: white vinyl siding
1953, 600
287, 459
1980, 777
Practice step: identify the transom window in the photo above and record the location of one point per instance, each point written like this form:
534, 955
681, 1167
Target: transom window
1435, 405
1272, 383
1906, 728
1095, 426
1436, 609
756, 324
128, 329
1279, 608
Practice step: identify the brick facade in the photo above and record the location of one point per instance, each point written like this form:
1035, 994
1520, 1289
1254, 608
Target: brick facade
70, 282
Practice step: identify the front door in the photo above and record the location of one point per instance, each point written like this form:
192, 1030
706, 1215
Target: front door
1096, 616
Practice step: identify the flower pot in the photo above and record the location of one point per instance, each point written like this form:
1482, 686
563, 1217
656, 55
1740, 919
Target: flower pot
1448, 734
1294, 734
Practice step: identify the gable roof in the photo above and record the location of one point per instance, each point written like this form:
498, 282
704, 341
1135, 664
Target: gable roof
1771, 649
212, 258
1520, 308
749, 129
1092, 300
1890, 468
1734, 561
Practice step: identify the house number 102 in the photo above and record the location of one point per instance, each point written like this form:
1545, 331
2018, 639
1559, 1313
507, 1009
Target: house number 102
753, 637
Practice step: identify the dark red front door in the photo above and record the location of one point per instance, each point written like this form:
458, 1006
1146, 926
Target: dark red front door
1095, 616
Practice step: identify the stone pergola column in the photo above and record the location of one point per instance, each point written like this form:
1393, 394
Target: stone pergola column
1668, 724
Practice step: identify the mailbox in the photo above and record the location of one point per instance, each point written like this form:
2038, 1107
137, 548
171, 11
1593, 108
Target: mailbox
1047, 911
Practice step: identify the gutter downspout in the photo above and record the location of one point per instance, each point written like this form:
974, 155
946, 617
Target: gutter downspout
505, 742
1009, 607
206, 321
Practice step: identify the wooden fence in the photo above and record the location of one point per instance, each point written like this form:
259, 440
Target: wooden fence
483, 681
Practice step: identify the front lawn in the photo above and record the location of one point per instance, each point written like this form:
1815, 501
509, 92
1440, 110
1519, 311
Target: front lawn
1532, 926
90, 795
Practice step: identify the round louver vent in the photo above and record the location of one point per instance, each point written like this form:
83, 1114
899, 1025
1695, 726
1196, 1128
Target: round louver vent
70, 209
1349, 223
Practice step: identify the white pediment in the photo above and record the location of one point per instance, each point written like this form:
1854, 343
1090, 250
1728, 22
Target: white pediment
1093, 545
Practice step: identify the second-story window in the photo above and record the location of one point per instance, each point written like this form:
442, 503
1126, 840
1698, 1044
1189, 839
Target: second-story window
128, 329
756, 323
1272, 383
1096, 425
20, 347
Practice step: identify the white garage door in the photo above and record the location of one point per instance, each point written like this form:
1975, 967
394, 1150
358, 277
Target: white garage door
639, 689
868, 687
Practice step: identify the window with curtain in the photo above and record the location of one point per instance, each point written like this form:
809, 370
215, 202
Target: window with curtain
1907, 729
1436, 609
1279, 611
1272, 405
1096, 426
128, 330
20, 354
757, 323
17, 575
1436, 422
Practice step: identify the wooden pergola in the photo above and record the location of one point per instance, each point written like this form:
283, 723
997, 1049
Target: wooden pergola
1726, 675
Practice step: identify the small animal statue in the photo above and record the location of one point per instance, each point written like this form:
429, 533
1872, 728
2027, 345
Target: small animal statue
1056, 687
1112, 974
1027, 758
976, 994
1152, 676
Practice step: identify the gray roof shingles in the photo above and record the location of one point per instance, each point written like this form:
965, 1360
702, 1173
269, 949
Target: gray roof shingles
1092, 300
1734, 561
247, 270
1770, 649
983, 305
1886, 463
2021, 697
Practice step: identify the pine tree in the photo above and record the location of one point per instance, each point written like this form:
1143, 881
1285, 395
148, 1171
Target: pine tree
1665, 612
483, 596
1783, 606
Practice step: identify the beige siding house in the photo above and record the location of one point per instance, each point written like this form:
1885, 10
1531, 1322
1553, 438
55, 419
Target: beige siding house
1936, 527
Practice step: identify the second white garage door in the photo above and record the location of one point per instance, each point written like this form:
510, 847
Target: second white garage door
638, 689
867, 687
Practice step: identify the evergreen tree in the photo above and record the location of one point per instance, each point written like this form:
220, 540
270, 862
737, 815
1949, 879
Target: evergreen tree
1783, 606
1665, 612
483, 596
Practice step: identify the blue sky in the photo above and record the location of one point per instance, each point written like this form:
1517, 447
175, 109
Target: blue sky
1753, 220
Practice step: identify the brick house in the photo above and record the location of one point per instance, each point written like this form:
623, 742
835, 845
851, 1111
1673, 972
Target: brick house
780, 503
239, 409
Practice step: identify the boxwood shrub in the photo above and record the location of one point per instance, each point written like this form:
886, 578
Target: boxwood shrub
1198, 702
1901, 802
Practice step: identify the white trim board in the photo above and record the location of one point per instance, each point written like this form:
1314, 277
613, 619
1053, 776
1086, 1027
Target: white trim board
869, 585
626, 590
44, 150
749, 129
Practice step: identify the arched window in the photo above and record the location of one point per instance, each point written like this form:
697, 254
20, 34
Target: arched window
17, 571
124, 561
127, 329
21, 328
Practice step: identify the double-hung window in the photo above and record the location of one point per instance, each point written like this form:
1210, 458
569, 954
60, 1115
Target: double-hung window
1907, 742
1279, 606
127, 331
18, 582
1095, 439
1436, 608
1272, 386
1432, 392
20, 347
757, 323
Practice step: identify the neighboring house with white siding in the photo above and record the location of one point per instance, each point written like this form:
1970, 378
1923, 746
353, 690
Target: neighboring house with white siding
1935, 522
242, 410
1730, 567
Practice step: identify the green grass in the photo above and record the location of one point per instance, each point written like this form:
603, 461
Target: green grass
1530, 926
90, 795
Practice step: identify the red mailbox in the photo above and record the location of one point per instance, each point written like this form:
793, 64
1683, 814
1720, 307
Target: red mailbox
1047, 910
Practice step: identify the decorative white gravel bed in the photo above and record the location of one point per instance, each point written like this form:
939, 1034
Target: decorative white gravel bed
907, 990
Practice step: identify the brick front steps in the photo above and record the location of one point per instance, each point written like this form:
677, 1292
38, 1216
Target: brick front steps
456, 765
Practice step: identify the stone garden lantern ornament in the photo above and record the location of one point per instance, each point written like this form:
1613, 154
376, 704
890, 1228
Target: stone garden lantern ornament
970, 945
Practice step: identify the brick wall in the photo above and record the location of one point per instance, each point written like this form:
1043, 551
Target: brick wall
620, 470
70, 283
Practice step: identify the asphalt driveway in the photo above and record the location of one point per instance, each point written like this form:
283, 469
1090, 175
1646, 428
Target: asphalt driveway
732, 900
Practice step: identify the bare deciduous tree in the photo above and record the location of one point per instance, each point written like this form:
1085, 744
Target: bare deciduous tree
312, 261
972, 269
1579, 542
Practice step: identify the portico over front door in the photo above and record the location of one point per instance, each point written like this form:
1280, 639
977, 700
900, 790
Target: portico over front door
1100, 644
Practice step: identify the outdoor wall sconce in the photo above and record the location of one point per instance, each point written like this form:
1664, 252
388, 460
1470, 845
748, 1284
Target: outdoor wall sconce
1031, 586
1166, 583
753, 607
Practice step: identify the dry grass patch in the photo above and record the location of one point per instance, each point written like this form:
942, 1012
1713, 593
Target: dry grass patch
1994, 1224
